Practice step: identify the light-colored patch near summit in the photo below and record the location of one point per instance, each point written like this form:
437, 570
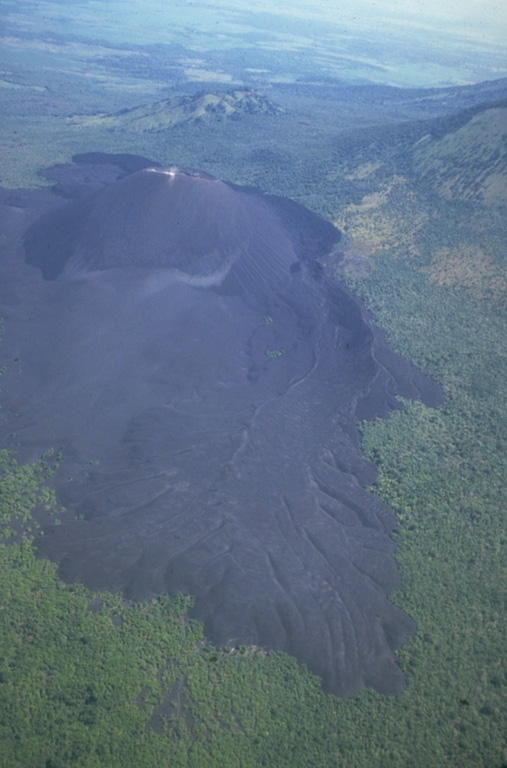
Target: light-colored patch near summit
159, 279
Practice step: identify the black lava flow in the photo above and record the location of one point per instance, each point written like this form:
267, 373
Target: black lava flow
175, 336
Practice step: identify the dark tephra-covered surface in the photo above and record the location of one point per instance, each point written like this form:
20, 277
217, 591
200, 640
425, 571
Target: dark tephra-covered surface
186, 339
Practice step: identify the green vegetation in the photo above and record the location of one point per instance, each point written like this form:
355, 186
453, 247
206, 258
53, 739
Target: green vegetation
443, 472
21, 489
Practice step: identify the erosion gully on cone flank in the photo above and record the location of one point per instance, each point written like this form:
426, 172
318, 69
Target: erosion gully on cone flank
177, 338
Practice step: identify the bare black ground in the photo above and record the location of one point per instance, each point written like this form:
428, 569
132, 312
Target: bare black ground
186, 339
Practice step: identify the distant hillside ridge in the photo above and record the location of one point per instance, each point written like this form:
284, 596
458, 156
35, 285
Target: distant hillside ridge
203, 107
447, 175
468, 161
441, 125
410, 104
462, 156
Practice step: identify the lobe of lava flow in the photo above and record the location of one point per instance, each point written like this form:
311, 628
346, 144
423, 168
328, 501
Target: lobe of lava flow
186, 339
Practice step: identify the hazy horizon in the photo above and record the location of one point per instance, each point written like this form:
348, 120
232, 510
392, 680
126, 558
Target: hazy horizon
409, 44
